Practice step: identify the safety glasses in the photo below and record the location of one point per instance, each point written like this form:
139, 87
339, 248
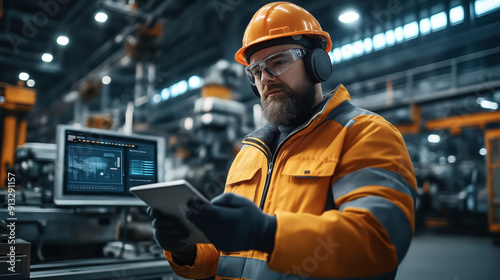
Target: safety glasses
275, 64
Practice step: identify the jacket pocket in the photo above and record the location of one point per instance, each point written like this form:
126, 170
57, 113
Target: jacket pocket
304, 185
244, 182
308, 168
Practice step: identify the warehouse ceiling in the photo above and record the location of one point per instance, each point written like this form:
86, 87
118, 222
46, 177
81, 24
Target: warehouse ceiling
195, 35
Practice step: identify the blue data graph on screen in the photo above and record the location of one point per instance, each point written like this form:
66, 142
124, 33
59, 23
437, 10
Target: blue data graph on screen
94, 168
142, 167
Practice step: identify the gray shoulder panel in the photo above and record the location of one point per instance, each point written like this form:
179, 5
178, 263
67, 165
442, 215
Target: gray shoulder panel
345, 112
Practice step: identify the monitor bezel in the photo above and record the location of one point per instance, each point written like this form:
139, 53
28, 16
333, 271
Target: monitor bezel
60, 198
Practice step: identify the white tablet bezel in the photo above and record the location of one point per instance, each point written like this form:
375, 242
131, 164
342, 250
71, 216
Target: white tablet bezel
170, 198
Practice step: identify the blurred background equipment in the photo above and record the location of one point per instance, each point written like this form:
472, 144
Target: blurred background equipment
15, 104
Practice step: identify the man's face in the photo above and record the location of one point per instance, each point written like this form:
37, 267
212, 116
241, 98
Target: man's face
287, 98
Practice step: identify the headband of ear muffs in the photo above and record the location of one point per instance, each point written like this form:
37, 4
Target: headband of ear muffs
318, 67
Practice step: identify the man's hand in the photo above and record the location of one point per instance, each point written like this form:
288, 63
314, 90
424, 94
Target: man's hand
234, 223
169, 232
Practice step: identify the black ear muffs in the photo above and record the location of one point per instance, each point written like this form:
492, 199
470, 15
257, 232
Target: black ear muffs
318, 65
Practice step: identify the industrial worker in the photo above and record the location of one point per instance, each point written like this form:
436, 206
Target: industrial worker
326, 190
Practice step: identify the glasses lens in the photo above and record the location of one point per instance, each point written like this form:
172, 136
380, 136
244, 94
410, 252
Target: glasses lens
280, 62
275, 65
253, 73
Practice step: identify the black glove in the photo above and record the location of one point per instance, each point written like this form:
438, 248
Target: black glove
169, 232
234, 223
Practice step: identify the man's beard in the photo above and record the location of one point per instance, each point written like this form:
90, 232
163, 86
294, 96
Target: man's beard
290, 108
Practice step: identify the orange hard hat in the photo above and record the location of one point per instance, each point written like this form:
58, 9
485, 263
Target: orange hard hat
279, 20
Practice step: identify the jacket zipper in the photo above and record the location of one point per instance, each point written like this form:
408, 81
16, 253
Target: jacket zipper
273, 159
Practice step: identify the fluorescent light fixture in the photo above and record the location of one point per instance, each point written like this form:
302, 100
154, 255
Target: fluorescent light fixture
346, 51
156, 98
379, 41
452, 159
399, 34
482, 7
357, 48
101, 17
23, 76
337, 55
30, 83
165, 93
483, 151
439, 21
425, 26
106, 80
349, 17
456, 15
179, 88
62, 40
390, 39
486, 104
195, 82
411, 30
47, 57
434, 138
368, 45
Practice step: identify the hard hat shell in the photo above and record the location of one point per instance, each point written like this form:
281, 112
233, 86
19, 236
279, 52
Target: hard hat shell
277, 20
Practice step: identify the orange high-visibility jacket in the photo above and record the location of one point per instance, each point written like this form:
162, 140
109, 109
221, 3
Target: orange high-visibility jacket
343, 190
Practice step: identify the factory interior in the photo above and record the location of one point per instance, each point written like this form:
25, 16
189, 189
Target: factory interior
111, 75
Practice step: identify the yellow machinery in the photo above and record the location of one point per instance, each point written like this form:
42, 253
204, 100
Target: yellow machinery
15, 103
492, 140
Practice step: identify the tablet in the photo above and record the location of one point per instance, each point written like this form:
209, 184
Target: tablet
170, 198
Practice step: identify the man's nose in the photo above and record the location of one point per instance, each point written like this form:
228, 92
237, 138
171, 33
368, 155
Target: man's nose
266, 77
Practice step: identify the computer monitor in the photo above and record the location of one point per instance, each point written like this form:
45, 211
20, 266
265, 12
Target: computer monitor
98, 167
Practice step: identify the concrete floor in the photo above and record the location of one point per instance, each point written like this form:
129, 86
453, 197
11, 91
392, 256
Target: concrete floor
436, 256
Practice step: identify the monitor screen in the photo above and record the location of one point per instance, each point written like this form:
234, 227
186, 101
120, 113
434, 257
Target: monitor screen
98, 167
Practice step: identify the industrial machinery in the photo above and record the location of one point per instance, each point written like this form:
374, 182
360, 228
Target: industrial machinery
15, 104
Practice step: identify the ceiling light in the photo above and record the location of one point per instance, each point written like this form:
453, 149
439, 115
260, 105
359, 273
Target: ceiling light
188, 123
47, 57
101, 17
456, 15
156, 98
452, 159
349, 17
439, 21
62, 40
425, 26
434, 138
106, 80
23, 76
379, 41
368, 45
337, 55
195, 82
411, 30
30, 83
358, 48
165, 93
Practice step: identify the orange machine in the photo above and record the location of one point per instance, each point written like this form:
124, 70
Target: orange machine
492, 140
15, 103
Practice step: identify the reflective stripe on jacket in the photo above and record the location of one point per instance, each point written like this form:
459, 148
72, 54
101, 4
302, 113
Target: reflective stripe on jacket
364, 231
